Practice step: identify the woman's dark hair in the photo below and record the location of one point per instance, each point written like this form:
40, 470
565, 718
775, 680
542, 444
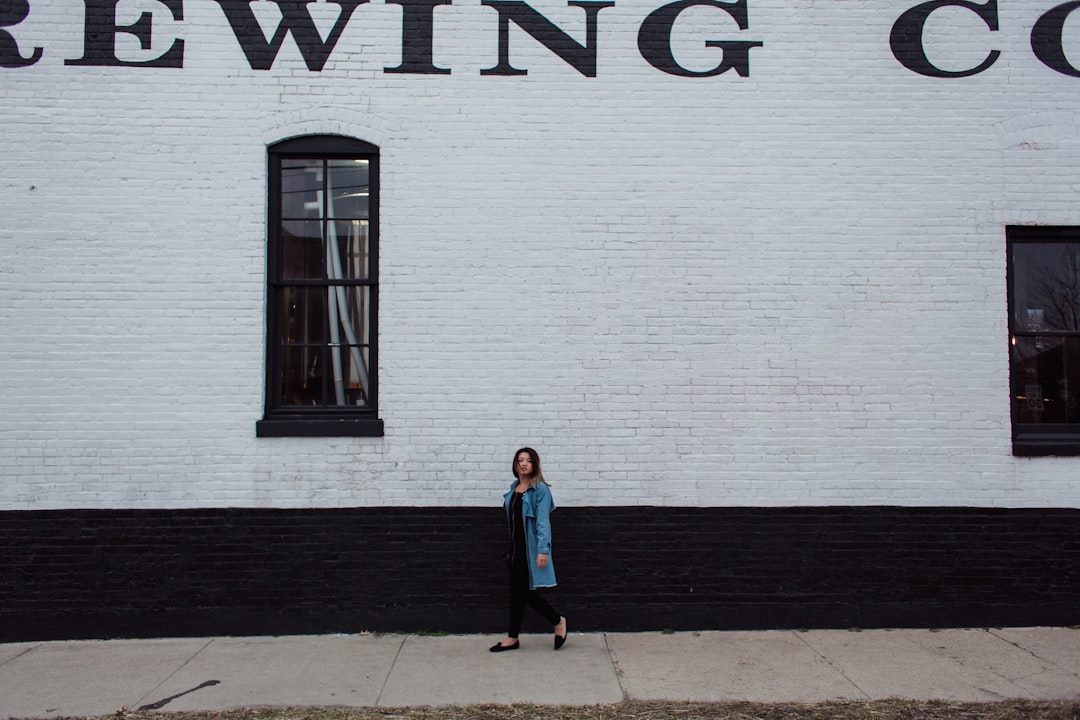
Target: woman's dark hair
537, 475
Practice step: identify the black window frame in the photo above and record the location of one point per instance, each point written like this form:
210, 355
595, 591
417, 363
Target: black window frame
280, 420
1035, 439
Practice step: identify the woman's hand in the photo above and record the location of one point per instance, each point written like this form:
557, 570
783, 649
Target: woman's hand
541, 560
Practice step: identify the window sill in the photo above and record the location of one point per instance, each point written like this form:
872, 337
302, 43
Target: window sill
319, 427
1046, 445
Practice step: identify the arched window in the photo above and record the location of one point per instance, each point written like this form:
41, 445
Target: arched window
322, 288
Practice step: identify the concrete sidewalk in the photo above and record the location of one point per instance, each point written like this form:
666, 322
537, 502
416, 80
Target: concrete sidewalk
89, 678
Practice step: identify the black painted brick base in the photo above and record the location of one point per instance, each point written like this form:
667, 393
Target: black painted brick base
146, 573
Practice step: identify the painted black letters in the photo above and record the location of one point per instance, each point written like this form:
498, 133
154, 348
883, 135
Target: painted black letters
654, 40
13, 12
295, 19
1046, 39
906, 39
100, 29
581, 57
417, 37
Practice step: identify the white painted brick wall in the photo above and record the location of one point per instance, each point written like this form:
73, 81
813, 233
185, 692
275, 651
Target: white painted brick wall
787, 289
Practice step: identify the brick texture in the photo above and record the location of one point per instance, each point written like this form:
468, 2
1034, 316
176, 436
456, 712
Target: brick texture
68, 574
780, 290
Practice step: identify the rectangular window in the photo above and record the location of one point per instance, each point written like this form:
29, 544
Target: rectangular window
1044, 336
322, 289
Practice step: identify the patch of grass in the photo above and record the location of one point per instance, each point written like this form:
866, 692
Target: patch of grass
867, 710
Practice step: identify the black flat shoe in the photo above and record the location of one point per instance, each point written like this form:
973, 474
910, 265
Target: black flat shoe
561, 639
499, 647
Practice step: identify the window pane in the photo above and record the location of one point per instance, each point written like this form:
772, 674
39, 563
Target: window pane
350, 239
1046, 379
1046, 277
304, 315
302, 252
301, 188
352, 304
302, 381
349, 189
350, 379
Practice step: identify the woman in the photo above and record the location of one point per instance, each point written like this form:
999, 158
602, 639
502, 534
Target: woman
528, 508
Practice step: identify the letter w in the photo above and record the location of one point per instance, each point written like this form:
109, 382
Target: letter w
295, 19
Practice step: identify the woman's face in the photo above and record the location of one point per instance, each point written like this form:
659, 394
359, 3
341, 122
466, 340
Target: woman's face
524, 465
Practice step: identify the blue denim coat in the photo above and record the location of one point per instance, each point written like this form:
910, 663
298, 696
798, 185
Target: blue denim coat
536, 507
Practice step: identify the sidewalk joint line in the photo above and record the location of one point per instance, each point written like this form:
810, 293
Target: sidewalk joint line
141, 701
614, 659
13, 659
1038, 657
830, 663
390, 671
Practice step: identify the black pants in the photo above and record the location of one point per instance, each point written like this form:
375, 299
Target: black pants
521, 595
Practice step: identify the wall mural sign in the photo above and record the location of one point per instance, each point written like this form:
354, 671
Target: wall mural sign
654, 40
